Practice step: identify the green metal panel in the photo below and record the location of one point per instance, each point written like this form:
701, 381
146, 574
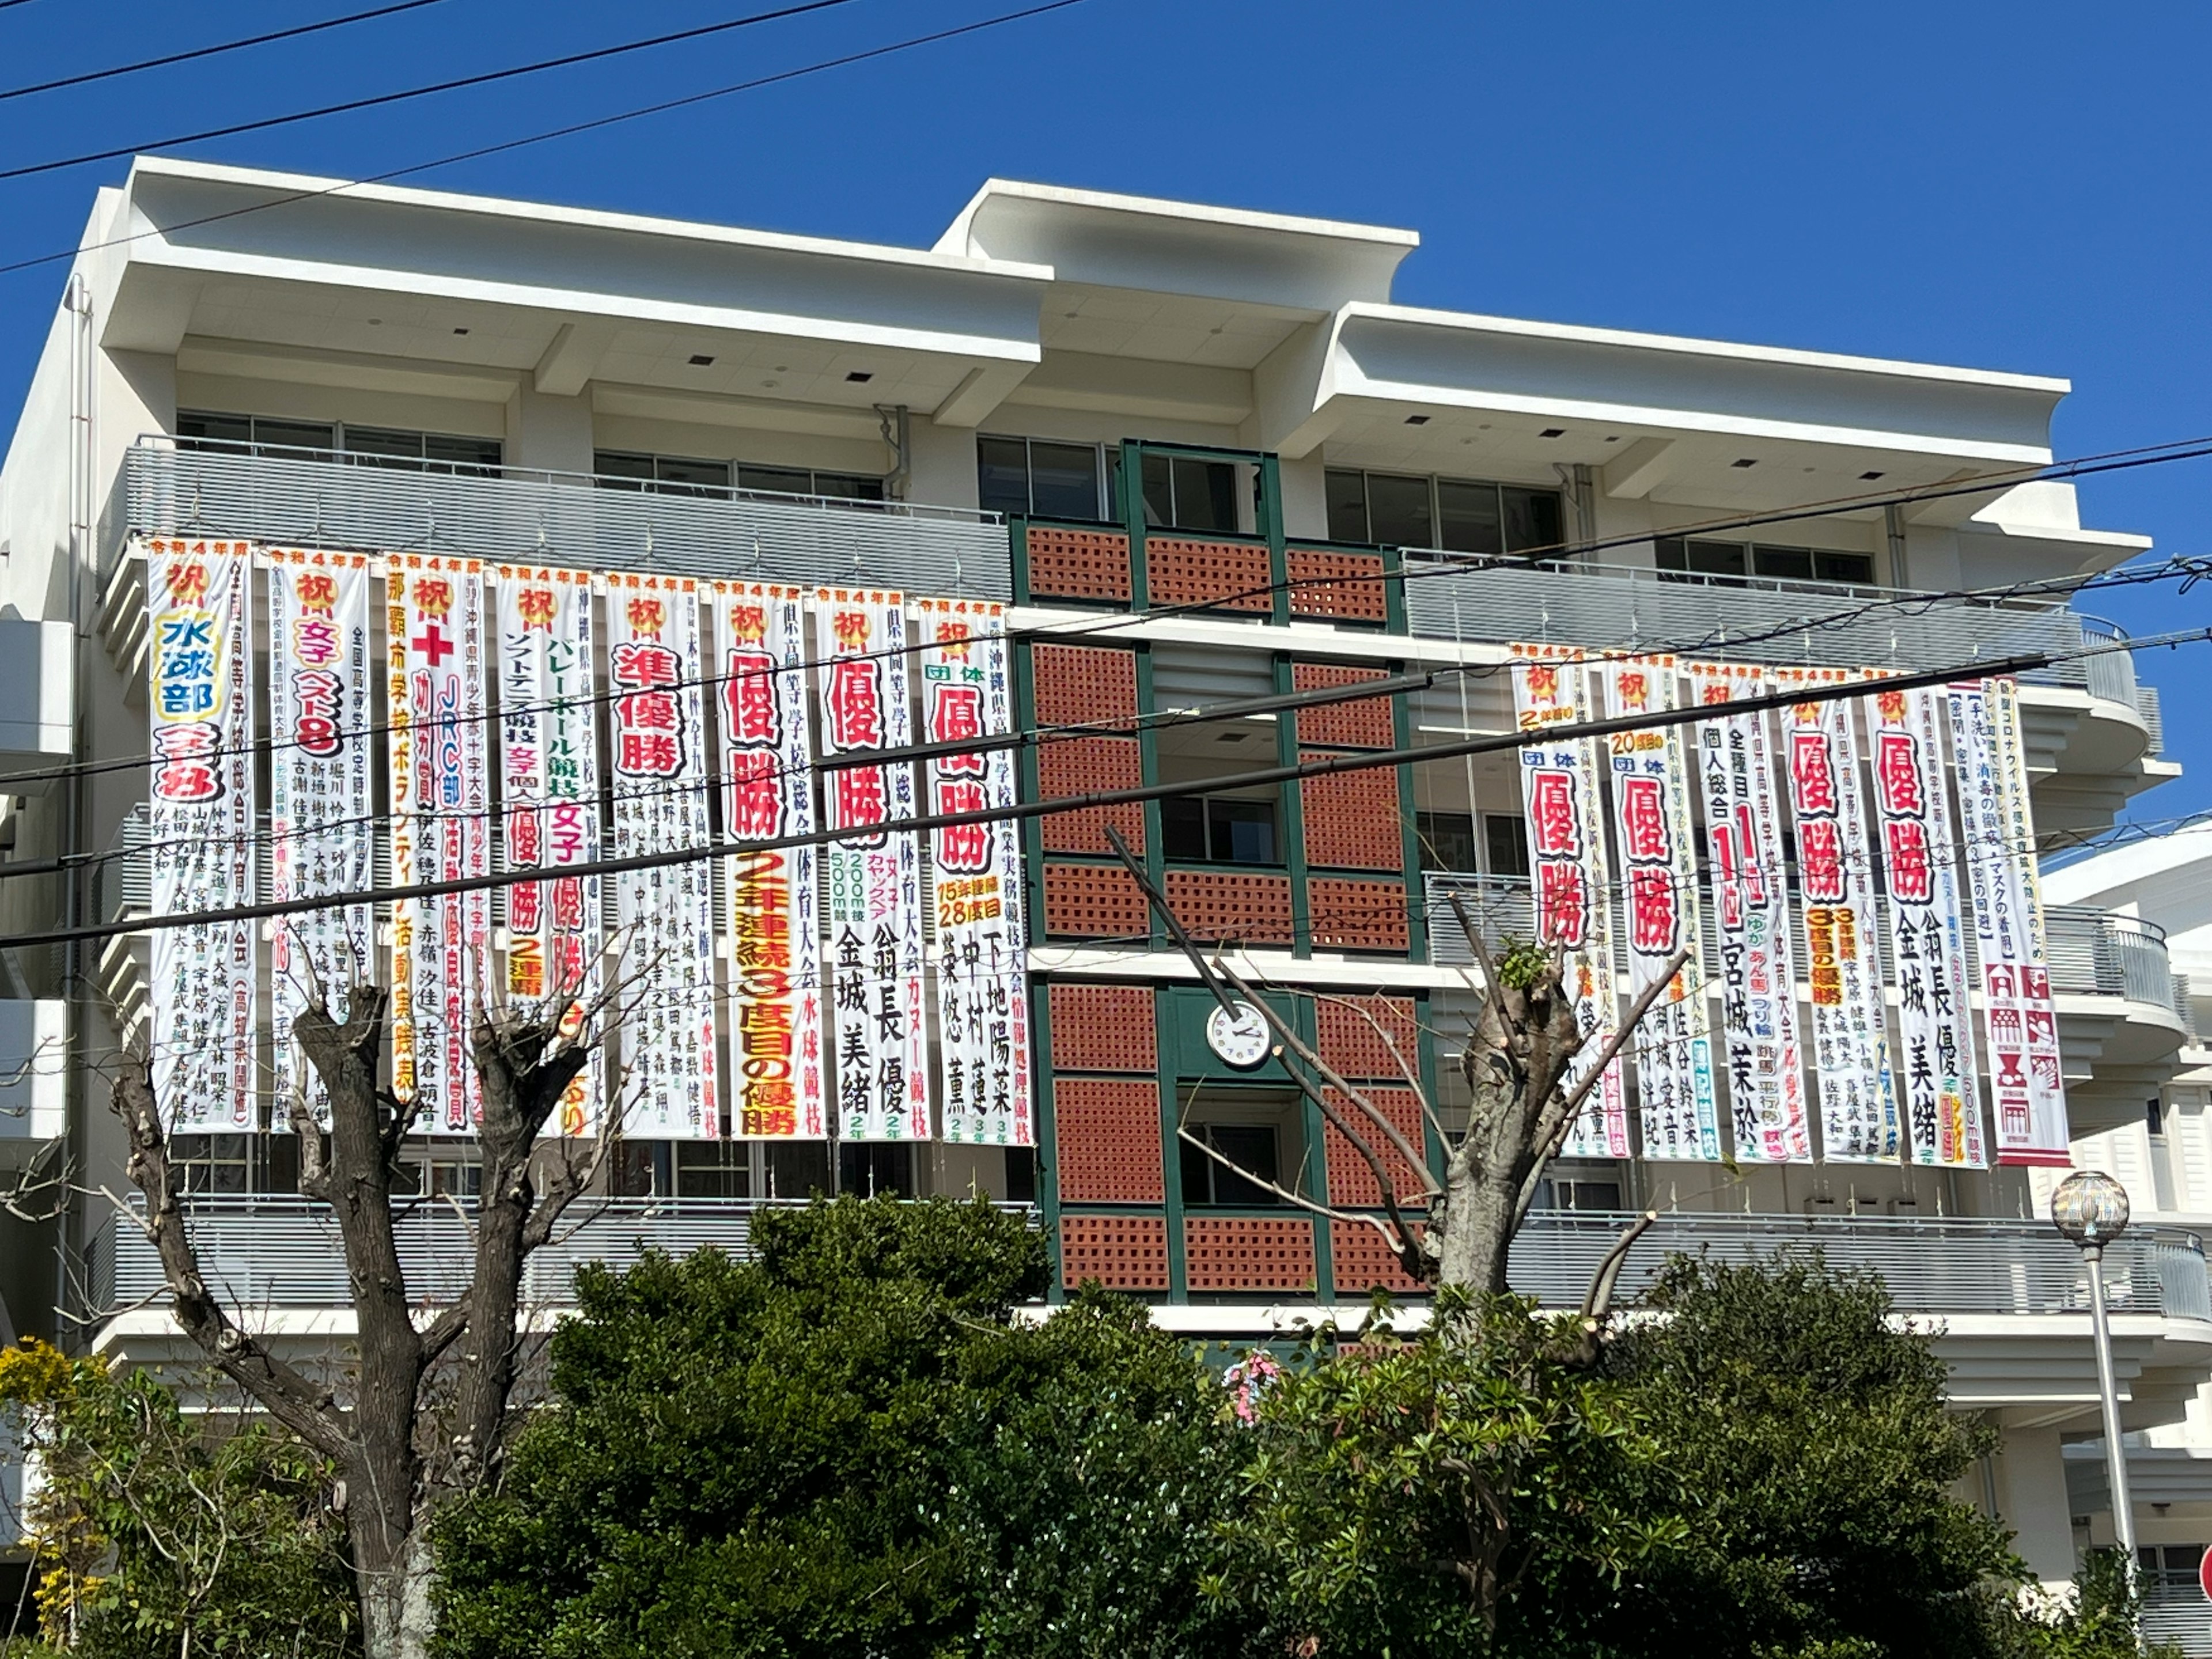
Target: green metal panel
1416, 907
1394, 592
1172, 1155
1148, 761
1269, 510
1047, 1128
1026, 760
1291, 807
1018, 549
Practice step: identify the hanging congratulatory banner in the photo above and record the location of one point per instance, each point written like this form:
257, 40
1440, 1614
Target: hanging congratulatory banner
878, 1022
1567, 870
549, 765
1927, 936
667, 911
200, 831
775, 945
321, 829
1673, 1045
981, 951
2019, 1021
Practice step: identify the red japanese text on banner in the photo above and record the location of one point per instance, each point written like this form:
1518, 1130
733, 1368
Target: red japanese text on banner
1836, 912
878, 1022
658, 740
2020, 1025
321, 807
1745, 885
200, 830
1567, 871
1653, 836
1935, 1059
775, 943
549, 769
980, 953
440, 831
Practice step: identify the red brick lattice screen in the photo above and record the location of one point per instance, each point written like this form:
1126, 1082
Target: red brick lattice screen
1351, 819
1107, 1134
1083, 685
1350, 1184
1346, 586
1241, 1253
1363, 1260
1103, 1028
1078, 564
1123, 1253
1233, 575
1080, 766
1348, 914
1355, 1049
1365, 724
1220, 906
1094, 901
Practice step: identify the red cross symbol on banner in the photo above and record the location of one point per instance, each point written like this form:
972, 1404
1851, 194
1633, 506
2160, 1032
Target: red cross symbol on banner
432, 644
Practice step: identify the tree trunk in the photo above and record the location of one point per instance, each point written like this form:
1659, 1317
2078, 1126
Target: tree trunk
394, 1578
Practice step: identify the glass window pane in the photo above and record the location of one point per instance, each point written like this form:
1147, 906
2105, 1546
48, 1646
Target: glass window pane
381, 441
1064, 480
1671, 553
1534, 523
1205, 495
784, 480
1250, 1146
1505, 838
1182, 828
1241, 831
1468, 517
617, 463
1715, 558
215, 428
1347, 504
1398, 511
1844, 567
1021, 1174
470, 454
294, 435
1002, 475
1788, 564
849, 486
1159, 493
1447, 841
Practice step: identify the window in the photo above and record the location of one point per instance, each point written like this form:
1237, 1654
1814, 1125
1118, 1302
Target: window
2155, 1117
1032, 478
364, 446
1460, 515
1680, 559
1218, 829
212, 1164
714, 1168
1505, 839
1251, 1147
2169, 1567
1184, 493
422, 452
805, 481
200, 430
868, 1169
692, 475
1577, 1192
1447, 841
1021, 1174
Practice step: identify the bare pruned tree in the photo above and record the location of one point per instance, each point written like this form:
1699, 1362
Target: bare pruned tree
1527, 1090
403, 1445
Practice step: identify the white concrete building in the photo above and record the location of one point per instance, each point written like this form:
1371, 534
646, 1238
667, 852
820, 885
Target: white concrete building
1174, 426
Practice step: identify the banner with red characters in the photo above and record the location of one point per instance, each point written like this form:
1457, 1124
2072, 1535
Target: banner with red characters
878, 1022
549, 769
321, 804
438, 750
2019, 1022
658, 741
1835, 908
767, 792
1561, 792
1934, 1056
1653, 835
981, 952
200, 833
1747, 886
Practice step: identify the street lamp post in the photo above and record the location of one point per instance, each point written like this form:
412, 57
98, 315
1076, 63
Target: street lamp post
2090, 1210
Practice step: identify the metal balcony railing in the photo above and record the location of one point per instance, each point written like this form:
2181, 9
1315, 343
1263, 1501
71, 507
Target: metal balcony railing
2176, 1612
317, 499
283, 1252
2092, 952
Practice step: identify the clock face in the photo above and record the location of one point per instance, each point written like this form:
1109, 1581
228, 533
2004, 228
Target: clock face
1238, 1035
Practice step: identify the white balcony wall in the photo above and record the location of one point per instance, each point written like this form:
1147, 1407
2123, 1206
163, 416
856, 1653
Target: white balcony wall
33, 1069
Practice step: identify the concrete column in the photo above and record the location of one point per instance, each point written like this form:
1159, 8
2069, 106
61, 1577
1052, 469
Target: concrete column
550, 432
1305, 499
2031, 1486
944, 464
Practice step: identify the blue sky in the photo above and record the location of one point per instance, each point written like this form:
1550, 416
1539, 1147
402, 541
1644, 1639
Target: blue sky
2017, 187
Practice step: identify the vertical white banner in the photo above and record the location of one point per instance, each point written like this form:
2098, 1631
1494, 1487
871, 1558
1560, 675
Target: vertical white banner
980, 954
878, 1021
1568, 878
549, 765
2020, 1025
1654, 836
1759, 993
321, 829
775, 936
1859, 1120
658, 734
200, 830
1927, 937
440, 831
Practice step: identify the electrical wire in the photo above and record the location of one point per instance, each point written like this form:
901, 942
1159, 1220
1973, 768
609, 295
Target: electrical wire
404, 94
196, 53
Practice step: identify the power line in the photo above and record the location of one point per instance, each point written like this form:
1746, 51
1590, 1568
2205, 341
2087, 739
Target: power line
214, 51
1319, 767
378, 99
